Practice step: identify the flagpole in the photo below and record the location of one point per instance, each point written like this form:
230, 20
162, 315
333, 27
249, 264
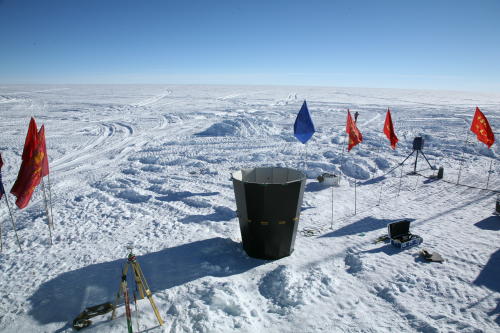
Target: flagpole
303, 129
298, 159
489, 174
331, 224
463, 154
13, 223
380, 194
305, 159
47, 211
342, 155
50, 200
400, 181
380, 144
355, 196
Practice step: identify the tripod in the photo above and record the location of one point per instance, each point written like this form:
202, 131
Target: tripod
418, 144
142, 286
416, 159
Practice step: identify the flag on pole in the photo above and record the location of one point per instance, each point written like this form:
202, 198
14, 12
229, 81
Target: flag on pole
45, 162
30, 173
2, 190
303, 129
389, 130
481, 127
31, 139
355, 136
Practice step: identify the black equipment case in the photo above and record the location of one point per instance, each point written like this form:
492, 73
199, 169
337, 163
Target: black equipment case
400, 235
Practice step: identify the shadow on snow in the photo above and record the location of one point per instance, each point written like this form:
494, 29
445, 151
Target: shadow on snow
366, 224
388, 249
169, 196
489, 278
316, 187
220, 214
489, 223
65, 296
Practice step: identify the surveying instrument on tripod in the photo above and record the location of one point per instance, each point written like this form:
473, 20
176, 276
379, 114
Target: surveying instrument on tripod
418, 145
141, 285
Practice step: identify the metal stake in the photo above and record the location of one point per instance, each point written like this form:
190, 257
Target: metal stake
463, 154
400, 181
13, 223
342, 155
380, 195
50, 200
331, 224
47, 211
355, 196
489, 174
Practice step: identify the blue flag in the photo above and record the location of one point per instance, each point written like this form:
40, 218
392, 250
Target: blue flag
303, 129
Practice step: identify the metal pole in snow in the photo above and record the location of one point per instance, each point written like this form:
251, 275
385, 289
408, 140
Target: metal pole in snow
342, 155
355, 196
298, 160
380, 144
489, 174
463, 154
50, 200
47, 211
400, 181
305, 159
380, 195
331, 224
13, 223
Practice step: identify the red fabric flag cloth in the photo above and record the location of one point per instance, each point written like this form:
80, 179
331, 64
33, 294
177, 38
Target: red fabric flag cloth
31, 139
389, 130
45, 162
29, 175
481, 127
355, 136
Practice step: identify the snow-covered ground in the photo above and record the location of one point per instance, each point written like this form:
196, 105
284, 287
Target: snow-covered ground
150, 165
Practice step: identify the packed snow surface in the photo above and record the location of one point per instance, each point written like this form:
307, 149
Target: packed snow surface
150, 166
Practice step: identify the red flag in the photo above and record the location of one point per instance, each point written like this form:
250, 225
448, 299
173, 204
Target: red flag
355, 136
29, 146
482, 129
31, 139
389, 130
29, 175
41, 141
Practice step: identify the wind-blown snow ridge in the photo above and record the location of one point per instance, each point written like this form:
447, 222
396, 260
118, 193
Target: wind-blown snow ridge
241, 127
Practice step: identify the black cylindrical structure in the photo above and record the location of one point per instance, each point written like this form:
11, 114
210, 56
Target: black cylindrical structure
440, 173
268, 202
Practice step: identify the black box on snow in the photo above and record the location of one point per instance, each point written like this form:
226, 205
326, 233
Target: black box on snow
400, 235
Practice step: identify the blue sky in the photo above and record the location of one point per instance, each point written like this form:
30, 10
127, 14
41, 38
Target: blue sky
400, 44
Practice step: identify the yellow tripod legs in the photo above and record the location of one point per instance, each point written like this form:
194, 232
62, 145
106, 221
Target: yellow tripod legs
144, 289
141, 283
